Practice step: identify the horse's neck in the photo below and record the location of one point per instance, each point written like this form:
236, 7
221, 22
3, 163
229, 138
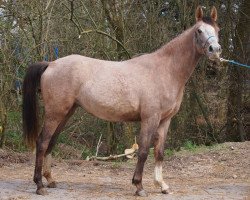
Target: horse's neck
180, 56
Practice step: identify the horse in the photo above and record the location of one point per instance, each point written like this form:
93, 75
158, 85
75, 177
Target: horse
148, 88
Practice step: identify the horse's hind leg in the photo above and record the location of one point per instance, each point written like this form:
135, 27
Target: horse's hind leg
48, 157
53, 118
47, 171
42, 144
159, 140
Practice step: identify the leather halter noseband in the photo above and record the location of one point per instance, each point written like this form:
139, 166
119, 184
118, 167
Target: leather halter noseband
207, 41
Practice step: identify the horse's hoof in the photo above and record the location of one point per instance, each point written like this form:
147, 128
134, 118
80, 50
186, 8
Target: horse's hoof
165, 188
42, 191
141, 193
164, 192
52, 185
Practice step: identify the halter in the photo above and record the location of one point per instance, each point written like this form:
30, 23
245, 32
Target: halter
200, 42
207, 41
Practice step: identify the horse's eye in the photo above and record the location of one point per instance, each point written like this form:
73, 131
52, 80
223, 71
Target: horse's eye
199, 31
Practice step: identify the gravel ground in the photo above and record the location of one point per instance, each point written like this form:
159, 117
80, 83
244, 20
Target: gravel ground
220, 172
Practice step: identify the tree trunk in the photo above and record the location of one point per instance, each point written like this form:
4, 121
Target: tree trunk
235, 127
113, 13
3, 124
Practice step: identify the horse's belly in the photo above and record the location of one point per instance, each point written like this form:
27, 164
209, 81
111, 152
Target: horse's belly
115, 115
112, 113
105, 104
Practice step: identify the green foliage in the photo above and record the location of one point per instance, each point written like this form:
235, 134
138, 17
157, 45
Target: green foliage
190, 146
14, 141
116, 164
13, 134
68, 147
151, 152
169, 152
14, 117
86, 152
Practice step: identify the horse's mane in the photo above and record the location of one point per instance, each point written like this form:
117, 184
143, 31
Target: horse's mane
175, 42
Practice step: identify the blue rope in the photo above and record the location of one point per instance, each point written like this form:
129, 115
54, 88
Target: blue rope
236, 63
56, 51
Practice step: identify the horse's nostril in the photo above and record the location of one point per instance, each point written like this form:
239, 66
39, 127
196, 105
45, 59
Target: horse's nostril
210, 49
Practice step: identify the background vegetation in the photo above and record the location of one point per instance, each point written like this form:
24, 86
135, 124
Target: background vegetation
216, 102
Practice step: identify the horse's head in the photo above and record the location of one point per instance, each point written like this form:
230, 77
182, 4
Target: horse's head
206, 34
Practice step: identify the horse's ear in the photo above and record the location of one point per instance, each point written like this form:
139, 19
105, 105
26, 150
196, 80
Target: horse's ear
198, 13
213, 14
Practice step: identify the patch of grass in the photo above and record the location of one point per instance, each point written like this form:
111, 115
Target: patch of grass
86, 152
14, 140
116, 165
169, 152
120, 148
13, 132
14, 116
190, 146
151, 153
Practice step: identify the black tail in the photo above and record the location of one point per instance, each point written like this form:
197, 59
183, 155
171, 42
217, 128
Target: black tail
30, 110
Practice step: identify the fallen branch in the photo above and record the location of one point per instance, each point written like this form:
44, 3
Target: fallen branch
129, 153
111, 157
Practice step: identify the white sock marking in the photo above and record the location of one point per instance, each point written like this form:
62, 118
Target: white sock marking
158, 177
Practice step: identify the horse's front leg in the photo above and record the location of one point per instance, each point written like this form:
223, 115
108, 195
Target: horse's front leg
159, 140
148, 128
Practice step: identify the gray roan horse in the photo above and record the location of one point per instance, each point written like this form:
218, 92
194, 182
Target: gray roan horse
148, 88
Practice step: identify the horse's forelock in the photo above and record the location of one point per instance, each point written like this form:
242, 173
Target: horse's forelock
210, 21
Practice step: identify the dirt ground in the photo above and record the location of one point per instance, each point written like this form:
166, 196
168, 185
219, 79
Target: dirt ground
220, 172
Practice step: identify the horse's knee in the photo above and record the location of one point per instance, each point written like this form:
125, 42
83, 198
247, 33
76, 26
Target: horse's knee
159, 155
42, 145
142, 155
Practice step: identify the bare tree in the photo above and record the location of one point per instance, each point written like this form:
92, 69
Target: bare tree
241, 52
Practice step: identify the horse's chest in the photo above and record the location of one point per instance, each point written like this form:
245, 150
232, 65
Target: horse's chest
171, 104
